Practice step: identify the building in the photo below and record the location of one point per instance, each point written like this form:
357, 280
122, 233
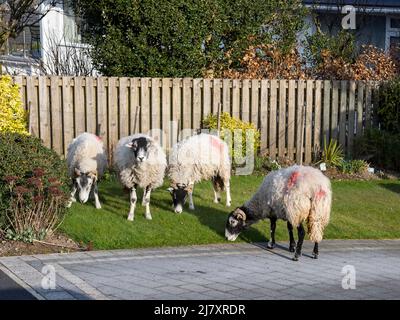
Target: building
48, 47
377, 21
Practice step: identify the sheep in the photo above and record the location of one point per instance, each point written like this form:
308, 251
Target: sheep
199, 157
294, 194
87, 162
140, 162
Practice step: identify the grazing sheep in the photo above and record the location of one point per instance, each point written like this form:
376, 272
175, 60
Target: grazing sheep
293, 194
200, 157
87, 162
140, 162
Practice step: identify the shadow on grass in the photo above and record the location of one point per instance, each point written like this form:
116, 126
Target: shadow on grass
394, 187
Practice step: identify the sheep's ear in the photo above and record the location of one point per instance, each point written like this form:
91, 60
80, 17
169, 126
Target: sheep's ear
170, 189
239, 214
129, 145
77, 172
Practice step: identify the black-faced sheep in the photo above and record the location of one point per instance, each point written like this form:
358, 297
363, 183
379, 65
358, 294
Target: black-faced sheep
294, 194
140, 162
199, 157
87, 162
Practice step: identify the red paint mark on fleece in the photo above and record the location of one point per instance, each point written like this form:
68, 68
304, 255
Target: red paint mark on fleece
320, 194
216, 143
98, 138
293, 178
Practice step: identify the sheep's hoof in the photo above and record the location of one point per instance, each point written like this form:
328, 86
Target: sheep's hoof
295, 258
270, 245
315, 255
191, 207
130, 218
291, 249
148, 217
98, 206
69, 204
228, 204
216, 201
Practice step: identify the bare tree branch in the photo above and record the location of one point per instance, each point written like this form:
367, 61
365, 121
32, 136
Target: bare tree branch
66, 59
15, 15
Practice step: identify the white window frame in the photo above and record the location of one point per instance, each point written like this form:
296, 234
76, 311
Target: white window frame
391, 32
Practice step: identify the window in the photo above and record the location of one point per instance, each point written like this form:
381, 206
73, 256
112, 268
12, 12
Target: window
395, 23
392, 32
73, 25
26, 44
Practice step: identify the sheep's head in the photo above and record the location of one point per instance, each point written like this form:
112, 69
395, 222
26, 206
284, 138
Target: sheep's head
179, 193
238, 220
140, 148
84, 182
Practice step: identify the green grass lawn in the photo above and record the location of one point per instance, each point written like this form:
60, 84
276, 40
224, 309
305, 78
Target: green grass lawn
361, 210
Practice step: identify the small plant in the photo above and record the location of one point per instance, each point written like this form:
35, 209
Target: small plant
36, 206
353, 166
230, 125
265, 163
33, 187
332, 154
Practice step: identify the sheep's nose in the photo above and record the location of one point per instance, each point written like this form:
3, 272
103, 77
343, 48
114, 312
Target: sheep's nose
141, 159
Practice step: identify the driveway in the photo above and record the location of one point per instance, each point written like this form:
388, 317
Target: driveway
346, 269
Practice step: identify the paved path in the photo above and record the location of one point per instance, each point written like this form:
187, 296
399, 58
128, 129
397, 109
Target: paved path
227, 271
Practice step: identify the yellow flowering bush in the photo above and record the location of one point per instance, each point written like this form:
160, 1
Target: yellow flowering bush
12, 114
230, 124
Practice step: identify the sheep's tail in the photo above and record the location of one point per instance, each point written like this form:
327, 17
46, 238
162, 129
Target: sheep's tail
319, 215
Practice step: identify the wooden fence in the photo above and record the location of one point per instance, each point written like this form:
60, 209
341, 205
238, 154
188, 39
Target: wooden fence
288, 113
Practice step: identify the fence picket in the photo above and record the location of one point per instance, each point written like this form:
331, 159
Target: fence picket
44, 112
282, 119
90, 105
123, 114
327, 111
272, 119
68, 113
245, 116
264, 117
79, 107
343, 113
56, 115
317, 116
308, 122
291, 118
352, 119
300, 122
335, 110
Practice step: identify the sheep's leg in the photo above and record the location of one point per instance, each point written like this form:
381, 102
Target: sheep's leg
301, 233
217, 194
315, 251
292, 243
96, 196
228, 193
271, 243
146, 201
72, 199
190, 193
133, 199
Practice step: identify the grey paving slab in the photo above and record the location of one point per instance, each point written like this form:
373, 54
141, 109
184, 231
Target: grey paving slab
224, 271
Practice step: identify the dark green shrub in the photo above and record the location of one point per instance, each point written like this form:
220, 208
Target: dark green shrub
380, 148
33, 187
389, 106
